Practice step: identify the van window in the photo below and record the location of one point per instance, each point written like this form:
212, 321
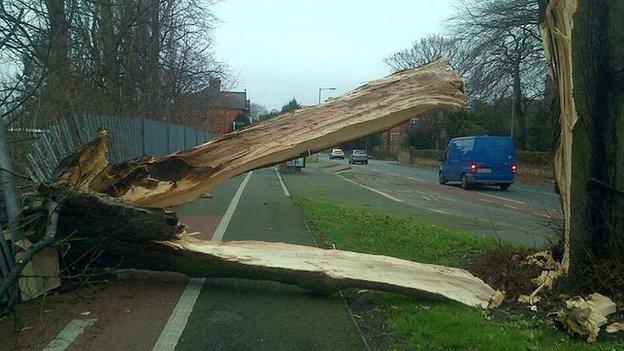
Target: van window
454, 151
464, 149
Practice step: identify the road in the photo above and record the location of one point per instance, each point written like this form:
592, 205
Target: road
236, 314
525, 214
164, 312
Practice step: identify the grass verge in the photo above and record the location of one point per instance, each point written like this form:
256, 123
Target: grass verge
424, 325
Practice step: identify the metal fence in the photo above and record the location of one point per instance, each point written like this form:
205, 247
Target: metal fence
130, 137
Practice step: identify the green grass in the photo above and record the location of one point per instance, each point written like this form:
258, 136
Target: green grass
401, 236
426, 325
312, 159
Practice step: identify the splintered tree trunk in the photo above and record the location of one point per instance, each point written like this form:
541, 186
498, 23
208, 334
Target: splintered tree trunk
373, 107
585, 40
100, 205
598, 140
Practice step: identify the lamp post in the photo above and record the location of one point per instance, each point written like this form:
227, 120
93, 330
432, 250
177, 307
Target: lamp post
321, 89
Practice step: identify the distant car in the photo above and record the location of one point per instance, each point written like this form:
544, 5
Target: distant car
479, 160
337, 153
358, 156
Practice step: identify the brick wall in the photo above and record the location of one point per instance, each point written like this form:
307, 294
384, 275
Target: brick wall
221, 120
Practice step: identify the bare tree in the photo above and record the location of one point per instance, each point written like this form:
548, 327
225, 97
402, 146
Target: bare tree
428, 49
256, 111
131, 57
504, 50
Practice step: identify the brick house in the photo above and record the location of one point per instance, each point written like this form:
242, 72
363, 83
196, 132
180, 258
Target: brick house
430, 122
391, 138
213, 109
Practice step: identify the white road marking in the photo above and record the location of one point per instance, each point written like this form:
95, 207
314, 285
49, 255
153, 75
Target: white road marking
510, 206
279, 176
342, 171
225, 220
170, 335
440, 211
177, 321
372, 189
415, 179
503, 198
69, 334
541, 214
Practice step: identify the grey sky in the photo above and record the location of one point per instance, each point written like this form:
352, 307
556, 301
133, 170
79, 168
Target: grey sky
282, 49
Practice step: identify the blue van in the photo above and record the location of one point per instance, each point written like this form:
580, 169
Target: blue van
479, 160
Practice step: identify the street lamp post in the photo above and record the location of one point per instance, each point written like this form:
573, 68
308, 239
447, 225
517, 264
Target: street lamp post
321, 89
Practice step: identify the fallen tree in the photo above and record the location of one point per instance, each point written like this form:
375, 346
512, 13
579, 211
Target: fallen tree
120, 209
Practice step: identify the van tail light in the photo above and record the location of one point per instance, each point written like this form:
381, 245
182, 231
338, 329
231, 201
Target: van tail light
473, 167
514, 168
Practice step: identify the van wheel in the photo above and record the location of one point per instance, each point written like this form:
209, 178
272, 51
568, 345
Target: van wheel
504, 187
441, 178
464, 182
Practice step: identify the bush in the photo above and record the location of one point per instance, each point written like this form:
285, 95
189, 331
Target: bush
534, 158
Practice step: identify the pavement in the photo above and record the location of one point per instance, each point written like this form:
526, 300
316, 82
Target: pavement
166, 311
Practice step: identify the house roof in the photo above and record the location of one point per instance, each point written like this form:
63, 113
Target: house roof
231, 99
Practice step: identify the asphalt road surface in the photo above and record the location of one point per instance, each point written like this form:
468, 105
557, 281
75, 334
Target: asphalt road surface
525, 214
237, 314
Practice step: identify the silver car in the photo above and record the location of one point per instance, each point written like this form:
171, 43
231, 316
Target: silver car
337, 153
358, 156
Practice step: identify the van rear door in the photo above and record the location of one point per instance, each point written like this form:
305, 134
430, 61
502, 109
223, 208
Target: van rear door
484, 155
503, 157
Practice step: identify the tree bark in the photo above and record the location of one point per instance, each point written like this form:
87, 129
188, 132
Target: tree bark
584, 40
518, 103
598, 148
57, 92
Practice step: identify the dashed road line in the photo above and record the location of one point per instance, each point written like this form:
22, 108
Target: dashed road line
176, 324
502, 198
225, 221
541, 214
69, 334
279, 176
415, 179
440, 211
372, 189
177, 321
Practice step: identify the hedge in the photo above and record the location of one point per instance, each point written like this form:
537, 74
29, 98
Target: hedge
538, 158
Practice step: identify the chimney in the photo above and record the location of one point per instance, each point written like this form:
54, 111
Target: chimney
214, 90
214, 84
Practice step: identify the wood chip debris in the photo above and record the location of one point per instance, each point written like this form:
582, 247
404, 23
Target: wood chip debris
585, 316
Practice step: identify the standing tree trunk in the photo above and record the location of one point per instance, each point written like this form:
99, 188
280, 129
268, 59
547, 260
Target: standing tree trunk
585, 41
518, 111
57, 90
598, 141
110, 54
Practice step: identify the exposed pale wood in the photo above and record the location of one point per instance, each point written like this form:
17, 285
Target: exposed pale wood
373, 107
327, 271
556, 30
584, 317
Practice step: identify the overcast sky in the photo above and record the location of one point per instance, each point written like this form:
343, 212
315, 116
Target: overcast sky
282, 49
